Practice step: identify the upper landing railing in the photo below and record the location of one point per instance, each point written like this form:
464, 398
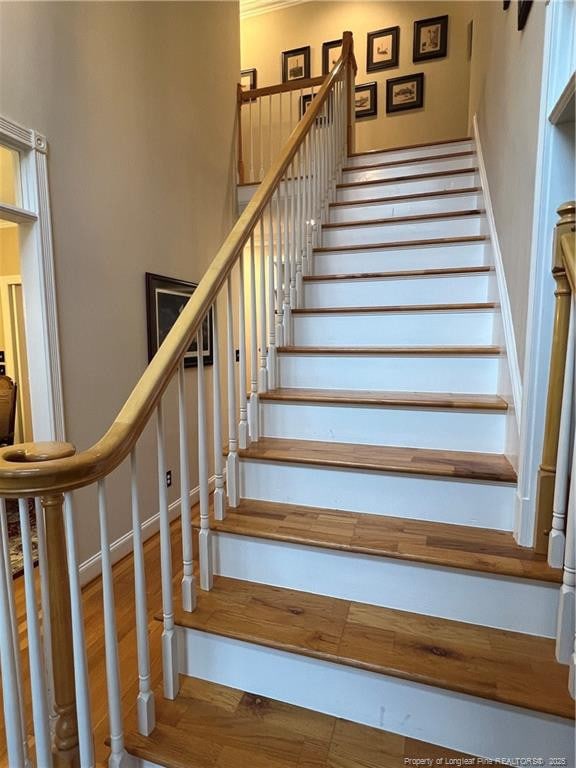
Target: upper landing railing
248, 294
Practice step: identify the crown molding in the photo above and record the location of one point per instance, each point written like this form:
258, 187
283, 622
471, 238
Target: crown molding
249, 8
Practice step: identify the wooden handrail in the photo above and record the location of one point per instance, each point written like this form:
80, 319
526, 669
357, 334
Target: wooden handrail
292, 85
564, 273
23, 472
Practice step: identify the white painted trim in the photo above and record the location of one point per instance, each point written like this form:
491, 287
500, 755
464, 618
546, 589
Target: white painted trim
92, 568
37, 268
560, 110
503, 297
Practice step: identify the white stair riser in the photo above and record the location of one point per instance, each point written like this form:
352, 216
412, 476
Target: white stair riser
402, 258
459, 226
405, 373
442, 500
451, 430
394, 329
453, 720
410, 153
418, 207
381, 292
410, 169
449, 593
408, 187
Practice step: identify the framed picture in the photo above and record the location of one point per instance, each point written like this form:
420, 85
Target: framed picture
383, 49
331, 52
430, 39
296, 64
166, 297
524, 7
404, 93
248, 79
366, 100
325, 115
506, 5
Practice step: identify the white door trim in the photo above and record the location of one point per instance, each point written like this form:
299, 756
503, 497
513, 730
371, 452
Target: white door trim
37, 268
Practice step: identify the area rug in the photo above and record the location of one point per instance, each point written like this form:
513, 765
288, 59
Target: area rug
15, 535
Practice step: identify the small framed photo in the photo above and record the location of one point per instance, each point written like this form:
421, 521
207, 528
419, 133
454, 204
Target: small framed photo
166, 297
325, 115
296, 64
366, 100
506, 5
430, 39
331, 52
524, 7
383, 49
248, 79
404, 93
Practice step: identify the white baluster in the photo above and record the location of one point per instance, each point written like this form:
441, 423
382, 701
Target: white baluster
15, 733
287, 330
261, 140
280, 120
572, 672
557, 539
263, 370
118, 757
145, 705
279, 270
188, 586
567, 603
45, 603
270, 158
292, 231
251, 132
205, 543
243, 424
232, 464
219, 497
35, 649
81, 678
272, 362
298, 227
254, 421
169, 640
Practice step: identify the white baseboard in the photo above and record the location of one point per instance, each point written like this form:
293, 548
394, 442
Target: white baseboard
92, 568
506, 311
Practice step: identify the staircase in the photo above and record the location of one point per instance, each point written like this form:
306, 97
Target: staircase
370, 604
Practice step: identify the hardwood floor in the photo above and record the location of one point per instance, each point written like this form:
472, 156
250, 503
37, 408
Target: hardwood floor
402, 244
427, 350
410, 161
418, 461
415, 177
412, 196
453, 546
399, 273
398, 308
210, 726
494, 664
405, 219
410, 146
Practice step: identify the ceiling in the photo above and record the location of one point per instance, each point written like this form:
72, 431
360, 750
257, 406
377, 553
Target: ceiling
257, 7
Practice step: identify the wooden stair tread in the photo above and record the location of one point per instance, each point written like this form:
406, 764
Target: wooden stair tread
410, 146
411, 161
213, 726
482, 550
429, 351
503, 666
397, 308
403, 244
415, 461
434, 272
412, 196
405, 219
371, 397
415, 177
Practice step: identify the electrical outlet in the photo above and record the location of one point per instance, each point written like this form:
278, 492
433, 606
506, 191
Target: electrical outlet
168, 478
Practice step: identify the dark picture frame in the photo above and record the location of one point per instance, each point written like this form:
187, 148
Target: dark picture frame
378, 58
400, 97
166, 297
430, 39
326, 58
325, 115
296, 64
370, 107
252, 76
505, 5
524, 8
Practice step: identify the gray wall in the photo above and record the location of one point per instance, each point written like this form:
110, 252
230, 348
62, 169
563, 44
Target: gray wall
138, 103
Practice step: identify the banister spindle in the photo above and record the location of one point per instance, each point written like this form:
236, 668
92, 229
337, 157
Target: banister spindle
240, 145
272, 294
292, 230
251, 132
262, 314
169, 640
298, 227
205, 543
219, 499
567, 602
270, 155
254, 420
188, 586
45, 604
260, 140
243, 436
232, 465
145, 705
287, 330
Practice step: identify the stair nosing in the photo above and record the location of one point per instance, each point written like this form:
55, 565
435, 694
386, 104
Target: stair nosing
391, 220
401, 273
411, 146
404, 244
409, 161
399, 308
413, 196
415, 177
431, 351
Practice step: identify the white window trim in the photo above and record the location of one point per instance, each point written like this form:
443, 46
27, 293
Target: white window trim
37, 267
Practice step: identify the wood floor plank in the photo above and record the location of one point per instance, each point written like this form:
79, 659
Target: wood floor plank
404, 273
478, 661
470, 307
410, 146
428, 351
405, 219
412, 196
411, 161
414, 177
402, 244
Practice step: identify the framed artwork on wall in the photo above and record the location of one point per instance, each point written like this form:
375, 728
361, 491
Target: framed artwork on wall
366, 100
506, 5
325, 113
331, 52
403, 93
430, 39
383, 49
248, 79
166, 297
296, 64
524, 7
